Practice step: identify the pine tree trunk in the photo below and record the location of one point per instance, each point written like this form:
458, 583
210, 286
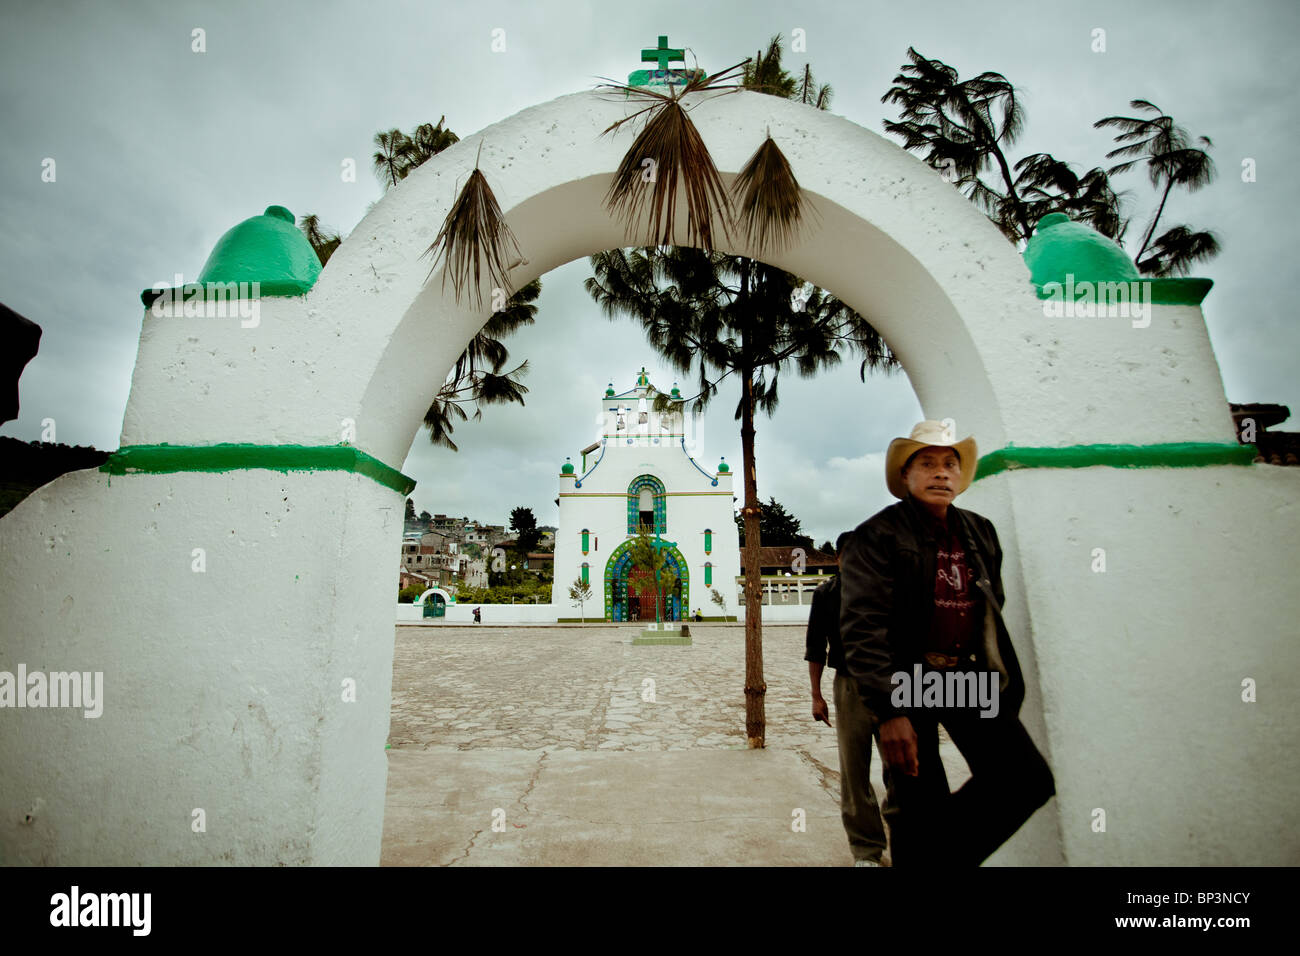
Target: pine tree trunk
755, 688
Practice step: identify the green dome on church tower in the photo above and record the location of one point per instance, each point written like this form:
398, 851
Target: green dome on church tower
567, 467
1061, 247
609, 392
723, 467
265, 249
643, 380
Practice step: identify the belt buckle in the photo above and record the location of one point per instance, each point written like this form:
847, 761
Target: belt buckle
941, 660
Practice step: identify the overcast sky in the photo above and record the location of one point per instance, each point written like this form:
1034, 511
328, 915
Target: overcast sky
160, 150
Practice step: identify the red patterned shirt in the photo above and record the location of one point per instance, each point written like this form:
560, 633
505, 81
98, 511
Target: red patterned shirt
958, 610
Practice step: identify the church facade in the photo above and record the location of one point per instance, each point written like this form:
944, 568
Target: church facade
641, 477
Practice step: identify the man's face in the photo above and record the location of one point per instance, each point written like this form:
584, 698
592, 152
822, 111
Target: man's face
932, 476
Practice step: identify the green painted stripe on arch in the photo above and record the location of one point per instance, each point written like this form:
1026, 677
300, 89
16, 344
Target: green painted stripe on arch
234, 456
1192, 454
1171, 291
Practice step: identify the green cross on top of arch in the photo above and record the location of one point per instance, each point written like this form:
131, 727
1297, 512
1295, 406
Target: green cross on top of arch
663, 53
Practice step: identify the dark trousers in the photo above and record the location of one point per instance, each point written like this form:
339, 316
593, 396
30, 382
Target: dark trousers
854, 727
928, 825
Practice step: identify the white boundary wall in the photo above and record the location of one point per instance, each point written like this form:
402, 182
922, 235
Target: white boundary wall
550, 614
492, 614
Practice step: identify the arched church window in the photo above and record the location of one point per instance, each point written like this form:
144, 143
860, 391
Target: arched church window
647, 506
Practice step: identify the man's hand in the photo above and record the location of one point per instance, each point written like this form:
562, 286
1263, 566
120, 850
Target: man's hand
898, 745
820, 711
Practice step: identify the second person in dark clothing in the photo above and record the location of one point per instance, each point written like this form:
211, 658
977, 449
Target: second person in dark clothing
855, 725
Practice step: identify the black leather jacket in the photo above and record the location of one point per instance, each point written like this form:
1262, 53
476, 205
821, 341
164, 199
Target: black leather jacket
887, 574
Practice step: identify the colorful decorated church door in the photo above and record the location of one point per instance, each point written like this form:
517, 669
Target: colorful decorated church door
641, 594
632, 593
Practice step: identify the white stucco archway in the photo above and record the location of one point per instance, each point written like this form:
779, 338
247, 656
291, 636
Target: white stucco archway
240, 705
439, 592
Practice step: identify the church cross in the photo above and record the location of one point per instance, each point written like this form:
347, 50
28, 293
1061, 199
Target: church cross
663, 53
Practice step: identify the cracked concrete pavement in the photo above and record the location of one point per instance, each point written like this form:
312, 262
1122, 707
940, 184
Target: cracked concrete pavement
544, 746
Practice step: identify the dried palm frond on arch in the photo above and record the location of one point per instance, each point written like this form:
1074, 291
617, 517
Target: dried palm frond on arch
678, 158
769, 202
475, 237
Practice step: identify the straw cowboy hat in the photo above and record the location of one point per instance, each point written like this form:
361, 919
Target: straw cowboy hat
924, 435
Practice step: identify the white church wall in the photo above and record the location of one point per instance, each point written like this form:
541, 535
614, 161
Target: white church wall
693, 503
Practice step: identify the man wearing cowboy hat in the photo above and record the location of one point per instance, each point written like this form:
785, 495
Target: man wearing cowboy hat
921, 601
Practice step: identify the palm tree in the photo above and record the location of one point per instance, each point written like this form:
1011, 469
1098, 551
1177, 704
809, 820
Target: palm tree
1176, 249
1049, 185
810, 94
389, 159
479, 377
963, 125
968, 126
765, 74
1171, 160
425, 142
322, 240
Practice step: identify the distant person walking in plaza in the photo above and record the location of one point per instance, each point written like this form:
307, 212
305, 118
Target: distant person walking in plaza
910, 616
478, 615
854, 723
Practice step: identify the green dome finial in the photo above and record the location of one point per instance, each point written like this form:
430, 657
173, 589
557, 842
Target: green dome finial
676, 393
567, 467
265, 249
609, 392
723, 467
1060, 247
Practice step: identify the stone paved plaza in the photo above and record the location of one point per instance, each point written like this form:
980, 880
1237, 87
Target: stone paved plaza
581, 688
570, 745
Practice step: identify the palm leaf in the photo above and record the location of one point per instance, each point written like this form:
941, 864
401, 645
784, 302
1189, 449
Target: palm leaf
1177, 250
388, 159
680, 161
671, 140
474, 237
322, 242
769, 201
